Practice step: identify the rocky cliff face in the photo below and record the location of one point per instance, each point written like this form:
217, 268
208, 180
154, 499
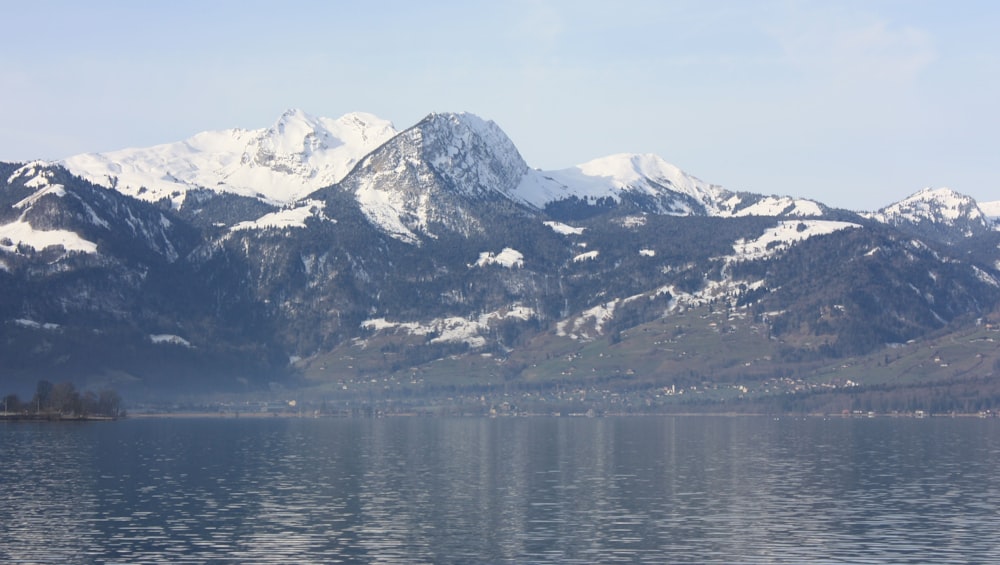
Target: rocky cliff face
436, 176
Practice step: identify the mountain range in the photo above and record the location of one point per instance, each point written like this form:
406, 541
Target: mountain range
326, 254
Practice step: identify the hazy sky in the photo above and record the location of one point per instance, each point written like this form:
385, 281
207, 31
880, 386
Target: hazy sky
856, 104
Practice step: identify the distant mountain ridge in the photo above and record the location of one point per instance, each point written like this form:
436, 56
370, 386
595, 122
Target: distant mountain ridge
324, 251
300, 153
941, 211
280, 164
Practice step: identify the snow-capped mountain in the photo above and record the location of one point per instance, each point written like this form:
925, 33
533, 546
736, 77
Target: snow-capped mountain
648, 179
280, 164
940, 212
655, 186
265, 254
300, 154
425, 178
937, 205
44, 208
32, 227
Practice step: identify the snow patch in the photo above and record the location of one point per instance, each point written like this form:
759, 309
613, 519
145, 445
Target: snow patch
563, 229
782, 236
538, 188
288, 218
452, 329
21, 233
601, 314
385, 209
55, 190
169, 339
26, 323
459, 330
379, 324
588, 256
776, 206
508, 257
714, 291
633, 221
598, 315
985, 277
991, 209
647, 252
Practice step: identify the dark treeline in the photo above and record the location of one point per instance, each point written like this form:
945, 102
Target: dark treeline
63, 399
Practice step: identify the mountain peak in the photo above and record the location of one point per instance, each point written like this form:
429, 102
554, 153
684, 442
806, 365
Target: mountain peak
431, 176
939, 205
629, 169
297, 155
464, 122
941, 194
472, 154
294, 124
294, 114
936, 209
290, 135
644, 178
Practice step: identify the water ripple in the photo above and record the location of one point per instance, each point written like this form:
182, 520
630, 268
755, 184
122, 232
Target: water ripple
546, 490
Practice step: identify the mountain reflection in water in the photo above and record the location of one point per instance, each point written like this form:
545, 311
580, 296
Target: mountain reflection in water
558, 490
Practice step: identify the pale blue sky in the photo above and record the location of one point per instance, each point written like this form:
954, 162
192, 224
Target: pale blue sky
854, 103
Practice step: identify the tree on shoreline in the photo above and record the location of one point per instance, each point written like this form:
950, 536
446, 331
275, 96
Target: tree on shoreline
64, 399
11, 403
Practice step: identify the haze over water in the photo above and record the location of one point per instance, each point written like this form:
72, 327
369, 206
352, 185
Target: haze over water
558, 490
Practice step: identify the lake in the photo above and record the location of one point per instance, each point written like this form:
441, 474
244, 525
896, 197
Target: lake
507, 490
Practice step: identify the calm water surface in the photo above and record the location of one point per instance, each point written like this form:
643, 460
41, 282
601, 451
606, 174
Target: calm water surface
528, 490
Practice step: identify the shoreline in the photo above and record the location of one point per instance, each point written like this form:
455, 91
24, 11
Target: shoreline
5, 417
234, 415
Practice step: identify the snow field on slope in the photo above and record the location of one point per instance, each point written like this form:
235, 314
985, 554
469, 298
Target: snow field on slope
385, 209
777, 205
509, 258
563, 229
991, 209
21, 233
611, 175
26, 323
599, 315
288, 218
170, 339
296, 156
452, 329
783, 235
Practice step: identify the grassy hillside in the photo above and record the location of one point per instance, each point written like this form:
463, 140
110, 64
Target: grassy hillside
702, 359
